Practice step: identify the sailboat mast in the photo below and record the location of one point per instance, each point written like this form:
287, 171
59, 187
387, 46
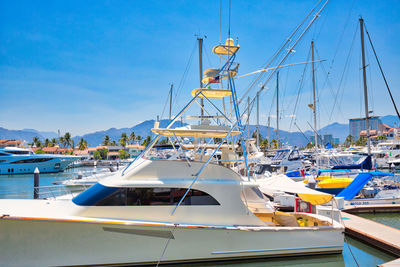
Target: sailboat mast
258, 121
365, 85
170, 102
200, 40
314, 98
277, 109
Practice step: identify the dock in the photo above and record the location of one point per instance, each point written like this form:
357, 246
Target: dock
375, 234
386, 208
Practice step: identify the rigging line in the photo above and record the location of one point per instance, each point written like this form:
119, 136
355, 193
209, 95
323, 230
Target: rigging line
341, 37
229, 27
184, 75
383, 75
165, 105
288, 39
292, 47
300, 87
308, 140
346, 65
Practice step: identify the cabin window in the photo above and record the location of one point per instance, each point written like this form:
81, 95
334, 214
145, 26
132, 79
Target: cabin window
294, 155
31, 160
156, 197
99, 195
3, 154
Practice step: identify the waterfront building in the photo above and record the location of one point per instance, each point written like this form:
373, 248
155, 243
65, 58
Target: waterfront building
359, 124
10, 143
134, 150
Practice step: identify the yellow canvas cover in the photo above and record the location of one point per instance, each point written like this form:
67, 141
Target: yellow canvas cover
193, 132
285, 184
229, 48
335, 183
212, 93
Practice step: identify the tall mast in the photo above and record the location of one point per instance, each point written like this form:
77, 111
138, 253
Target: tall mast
200, 40
258, 122
365, 85
314, 98
269, 128
248, 117
277, 109
170, 102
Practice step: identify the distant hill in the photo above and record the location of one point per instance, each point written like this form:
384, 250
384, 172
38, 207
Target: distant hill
25, 134
143, 129
391, 120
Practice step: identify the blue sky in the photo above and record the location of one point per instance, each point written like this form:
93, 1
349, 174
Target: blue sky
82, 66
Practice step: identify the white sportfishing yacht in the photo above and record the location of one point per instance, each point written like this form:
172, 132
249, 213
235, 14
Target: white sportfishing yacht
16, 160
386, 152
178, 209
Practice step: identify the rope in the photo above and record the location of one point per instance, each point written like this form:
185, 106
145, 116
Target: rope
383, 75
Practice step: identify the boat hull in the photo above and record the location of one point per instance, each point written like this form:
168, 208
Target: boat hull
36, 242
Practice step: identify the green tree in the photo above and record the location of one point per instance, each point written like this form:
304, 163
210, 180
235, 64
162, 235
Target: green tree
381, 137
123, 141
36, 141
163, 141
113, 143
309, 145
361, 141
138, 139
349, 140
254, 135
46, 142
123, 154
106, 141
146, 141
97, 155
264, 144
39, 151
61, 141
53, 142
68, 140
82, 144
132, 137
103, 153
274, 143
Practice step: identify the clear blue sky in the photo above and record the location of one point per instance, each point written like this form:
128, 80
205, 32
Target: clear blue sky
82, 66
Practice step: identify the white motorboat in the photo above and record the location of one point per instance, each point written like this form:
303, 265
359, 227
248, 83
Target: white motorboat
16, 160
134, 219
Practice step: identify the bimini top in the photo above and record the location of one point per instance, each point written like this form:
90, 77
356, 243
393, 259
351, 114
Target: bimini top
196, 131
229, 48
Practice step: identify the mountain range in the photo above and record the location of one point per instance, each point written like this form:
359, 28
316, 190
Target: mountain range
143, 129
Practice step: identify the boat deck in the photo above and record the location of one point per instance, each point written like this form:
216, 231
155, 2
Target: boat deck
376, 234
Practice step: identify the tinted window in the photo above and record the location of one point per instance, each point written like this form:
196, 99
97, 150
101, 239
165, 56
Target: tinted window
32, 160
17, 152
3, 154
156, 197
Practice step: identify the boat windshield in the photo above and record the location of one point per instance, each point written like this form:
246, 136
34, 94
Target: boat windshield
280, 154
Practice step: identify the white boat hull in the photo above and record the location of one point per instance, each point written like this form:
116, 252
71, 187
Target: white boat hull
35, 242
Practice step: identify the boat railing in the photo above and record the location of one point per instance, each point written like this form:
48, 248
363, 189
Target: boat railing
58, 191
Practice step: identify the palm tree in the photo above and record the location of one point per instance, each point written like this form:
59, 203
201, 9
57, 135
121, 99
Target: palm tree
138, 138
61, 141
36, 141
274, 143
349, 140
46, 142
82, 144
132, 137
113, 143
124, 140
146, 141
67, 140
106, 141
53, 142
